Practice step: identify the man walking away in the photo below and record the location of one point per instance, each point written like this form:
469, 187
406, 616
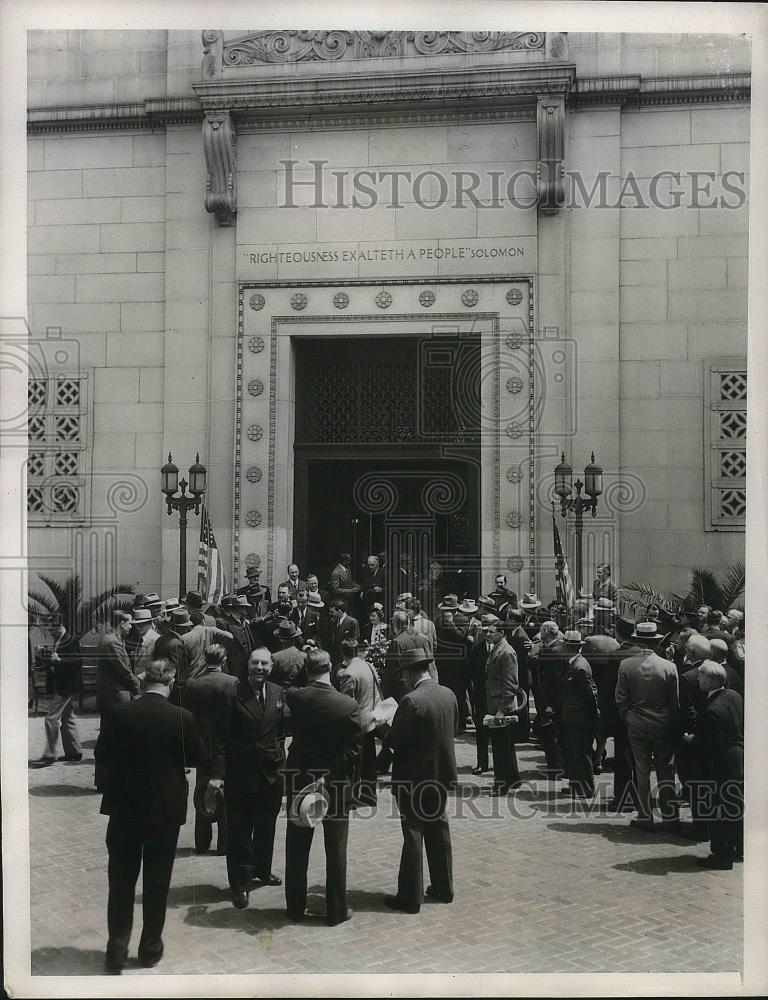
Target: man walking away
647, 700
67, 683
209, 699
423, 730
144, 747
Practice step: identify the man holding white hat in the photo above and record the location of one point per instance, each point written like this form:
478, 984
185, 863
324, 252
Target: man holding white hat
327, 743
648, 701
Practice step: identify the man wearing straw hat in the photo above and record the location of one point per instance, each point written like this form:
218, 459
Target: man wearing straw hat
647, 699
424, 770
327, 743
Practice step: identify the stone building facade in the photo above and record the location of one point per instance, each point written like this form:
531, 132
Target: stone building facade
380, 281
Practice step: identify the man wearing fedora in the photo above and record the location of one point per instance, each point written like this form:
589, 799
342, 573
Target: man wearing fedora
170, 646
357, 678
306, 616
232, 619
600, 652
423, 773
144, 747
451, 657
115, 682
258, 596
548, 659
517, 637
624, 783
647, 699
288, 661
327, 742
418, 622
503, 697
143, 628
579, 718
193, 602
253, 785
208, 697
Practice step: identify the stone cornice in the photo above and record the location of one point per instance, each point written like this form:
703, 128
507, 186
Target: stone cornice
409, 97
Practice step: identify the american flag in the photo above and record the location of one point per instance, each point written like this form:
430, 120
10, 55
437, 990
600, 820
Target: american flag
211, 581
563, 583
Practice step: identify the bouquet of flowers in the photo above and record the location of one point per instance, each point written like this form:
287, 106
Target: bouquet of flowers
376, 651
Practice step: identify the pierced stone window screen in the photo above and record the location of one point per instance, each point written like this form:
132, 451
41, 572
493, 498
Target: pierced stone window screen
725, 446
57, 435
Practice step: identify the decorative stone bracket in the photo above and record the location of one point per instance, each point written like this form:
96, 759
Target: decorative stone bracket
550, 126
219, 140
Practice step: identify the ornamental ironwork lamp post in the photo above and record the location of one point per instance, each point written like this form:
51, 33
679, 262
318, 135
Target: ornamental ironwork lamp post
592, 486
170, 486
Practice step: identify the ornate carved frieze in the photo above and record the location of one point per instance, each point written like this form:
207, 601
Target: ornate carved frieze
550, 121
219, 147
265, 47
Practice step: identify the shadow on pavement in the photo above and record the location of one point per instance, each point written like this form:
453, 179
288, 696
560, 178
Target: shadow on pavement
60, 791
67, 962
661, 866
617, 832
196, 895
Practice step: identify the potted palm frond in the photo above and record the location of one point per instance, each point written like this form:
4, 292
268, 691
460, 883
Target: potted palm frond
703, 589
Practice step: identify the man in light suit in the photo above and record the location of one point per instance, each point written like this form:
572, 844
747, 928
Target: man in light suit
647, 699
342, 585
503, 697
293, 583
357, 678
424, 770
115, 681
288, 661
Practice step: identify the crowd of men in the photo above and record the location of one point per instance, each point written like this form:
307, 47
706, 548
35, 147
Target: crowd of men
225, 686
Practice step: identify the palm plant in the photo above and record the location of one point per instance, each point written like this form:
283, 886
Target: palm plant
703, 588
65, 601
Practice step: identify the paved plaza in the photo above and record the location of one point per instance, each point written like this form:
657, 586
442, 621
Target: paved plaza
547, 889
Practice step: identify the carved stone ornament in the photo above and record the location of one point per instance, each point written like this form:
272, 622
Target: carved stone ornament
514, 519
550, 126
470, 298
299, 301
253, 475
255, 387
253, 559
384, 300
515, 563
514, 296
257, 47
255, 432
256, 345
514, 430
427, 299
514, 475
514, 341
253, 518
514, 384
219, 148
341, 300
256, 302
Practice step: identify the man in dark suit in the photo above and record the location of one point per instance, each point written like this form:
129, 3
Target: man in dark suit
294, 583
306, 618
423, 730
720, 738
503, 697
209, 698
372, 584
253, 787
144, 747
258, 596
327, 742
232, 620
343, 626
115, 681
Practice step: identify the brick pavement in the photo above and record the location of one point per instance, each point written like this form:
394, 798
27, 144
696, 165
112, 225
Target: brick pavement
549, 888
